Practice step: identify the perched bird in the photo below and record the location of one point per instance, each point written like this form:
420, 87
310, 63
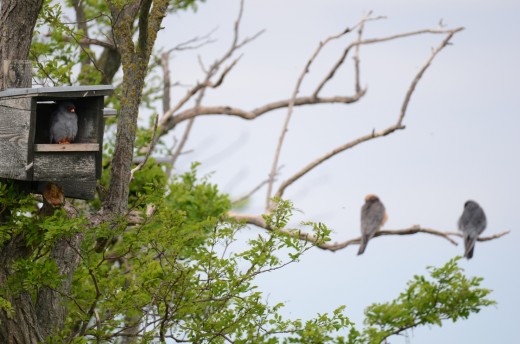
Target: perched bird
64, 123
472, 222
373, 217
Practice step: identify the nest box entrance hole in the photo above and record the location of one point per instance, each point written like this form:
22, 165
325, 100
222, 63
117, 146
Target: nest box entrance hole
90, 115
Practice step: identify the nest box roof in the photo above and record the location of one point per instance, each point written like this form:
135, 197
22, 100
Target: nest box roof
63, 91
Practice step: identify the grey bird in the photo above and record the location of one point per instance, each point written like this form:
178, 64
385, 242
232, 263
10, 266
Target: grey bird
472, 223
64, 123
373, 217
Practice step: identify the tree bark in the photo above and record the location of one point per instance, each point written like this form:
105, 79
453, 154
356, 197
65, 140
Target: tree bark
109, 61
35, 319
135, 60
32, 321
17, 21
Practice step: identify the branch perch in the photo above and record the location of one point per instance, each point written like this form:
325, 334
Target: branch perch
336, 246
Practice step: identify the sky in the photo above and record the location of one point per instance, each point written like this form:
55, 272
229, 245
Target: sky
461, 142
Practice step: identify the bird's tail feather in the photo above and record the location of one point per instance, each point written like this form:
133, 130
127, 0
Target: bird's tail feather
362, 245
469, 246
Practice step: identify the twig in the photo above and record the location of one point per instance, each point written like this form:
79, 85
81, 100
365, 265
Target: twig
290, 106
415, 81
167, 121
194, 43
494, 236
165, 65
93, 305
86, 40
164, 61
201, 88
182, 143
357, 72
342, 58
250, 193
149, 150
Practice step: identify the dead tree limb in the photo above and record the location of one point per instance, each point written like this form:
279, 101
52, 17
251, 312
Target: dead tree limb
373, 135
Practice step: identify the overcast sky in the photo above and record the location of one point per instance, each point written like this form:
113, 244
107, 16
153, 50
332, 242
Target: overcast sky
461, 142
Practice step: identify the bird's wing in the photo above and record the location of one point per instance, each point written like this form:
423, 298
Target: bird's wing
53, 121
372, 217
473, 220
480, 220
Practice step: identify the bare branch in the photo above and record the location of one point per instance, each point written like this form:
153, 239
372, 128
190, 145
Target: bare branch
200, 97
193, 43
166, 123
290, 107
171, 118
408, 231
492, 237
357, 72
415, 81
251, 219
409, 34
167, 86
149, 150
397, 126
165, 65
258, 221
164, 61
193, 91
200, 88
249, 39
342, 58
332, 153
250, 193
86, 40
169, 122
360, 42
182, 143
220, 80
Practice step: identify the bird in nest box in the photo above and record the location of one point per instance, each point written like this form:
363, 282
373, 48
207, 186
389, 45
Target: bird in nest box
64, 123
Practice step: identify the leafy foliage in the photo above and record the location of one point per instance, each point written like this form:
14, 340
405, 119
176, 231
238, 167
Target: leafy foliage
53, 55
447, 294
14, 210
33, 237
182, 273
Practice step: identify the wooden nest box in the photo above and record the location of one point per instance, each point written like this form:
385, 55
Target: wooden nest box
26, 153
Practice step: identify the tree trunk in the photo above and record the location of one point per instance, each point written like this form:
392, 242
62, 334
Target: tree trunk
135, 60
109, 62
23, 326
33, 319
17, 21
37, 318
